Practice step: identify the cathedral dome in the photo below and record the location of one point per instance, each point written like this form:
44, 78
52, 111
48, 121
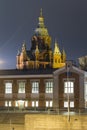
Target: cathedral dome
41, 30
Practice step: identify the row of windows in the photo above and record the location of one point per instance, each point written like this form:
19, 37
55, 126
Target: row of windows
68, 87
35, 87
21, 104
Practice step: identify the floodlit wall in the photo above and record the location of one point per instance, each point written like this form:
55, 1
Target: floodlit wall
55, 122
11, 127
48, 122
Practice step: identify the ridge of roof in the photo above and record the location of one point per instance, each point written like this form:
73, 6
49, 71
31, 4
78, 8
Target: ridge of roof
26, 71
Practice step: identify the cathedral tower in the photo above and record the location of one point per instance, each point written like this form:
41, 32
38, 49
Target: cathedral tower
63, 56
41, 36
40, 55
58, 58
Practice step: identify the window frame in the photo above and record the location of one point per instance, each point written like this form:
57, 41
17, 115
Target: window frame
35, 87
49, 103
8, 87
21, 85
8, 104
69, 87
35, 103
71, 104
48, 86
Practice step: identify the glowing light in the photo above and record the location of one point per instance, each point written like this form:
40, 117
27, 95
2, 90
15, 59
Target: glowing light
2, 62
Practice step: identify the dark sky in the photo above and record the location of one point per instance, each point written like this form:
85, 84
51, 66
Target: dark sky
66, 21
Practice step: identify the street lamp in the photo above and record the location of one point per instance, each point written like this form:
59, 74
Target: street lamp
67, 69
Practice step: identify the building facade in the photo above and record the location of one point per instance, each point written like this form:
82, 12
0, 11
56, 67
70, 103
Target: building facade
42, 89
69, 87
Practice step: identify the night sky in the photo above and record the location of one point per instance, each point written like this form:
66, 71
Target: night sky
66, 21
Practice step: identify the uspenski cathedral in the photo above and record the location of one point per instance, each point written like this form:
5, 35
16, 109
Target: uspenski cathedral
40, 54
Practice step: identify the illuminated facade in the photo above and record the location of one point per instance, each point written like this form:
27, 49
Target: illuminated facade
40, 55
42, 89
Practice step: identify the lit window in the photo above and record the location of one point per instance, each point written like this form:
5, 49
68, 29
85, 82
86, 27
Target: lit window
34, 103
35, 87
49, 87
16, 103
8, 103
21, 87
68, 87
26, 103
8, 88
49, 103
71, 104
65, 104
21, 103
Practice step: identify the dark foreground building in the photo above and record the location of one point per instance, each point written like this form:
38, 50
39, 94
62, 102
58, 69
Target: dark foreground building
42, 88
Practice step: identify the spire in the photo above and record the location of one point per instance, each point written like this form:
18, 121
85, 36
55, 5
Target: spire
56, 48
37, 50
41, 20
41, 13
23, 46
18, 53
63, 56
37, 53
64, 52
41, 30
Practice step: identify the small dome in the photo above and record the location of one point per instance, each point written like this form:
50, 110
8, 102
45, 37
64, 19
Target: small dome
41, 30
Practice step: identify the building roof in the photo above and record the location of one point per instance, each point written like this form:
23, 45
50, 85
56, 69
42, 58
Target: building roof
36, 72
26, 72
